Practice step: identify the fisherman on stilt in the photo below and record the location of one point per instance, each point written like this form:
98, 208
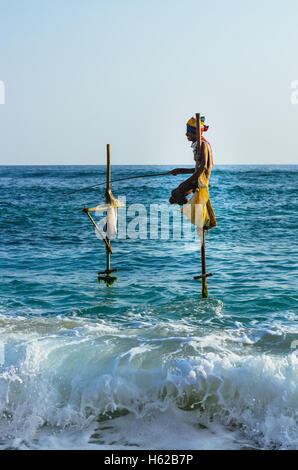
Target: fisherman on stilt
198, 182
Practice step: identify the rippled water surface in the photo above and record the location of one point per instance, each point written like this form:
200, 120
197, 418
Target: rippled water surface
148, 363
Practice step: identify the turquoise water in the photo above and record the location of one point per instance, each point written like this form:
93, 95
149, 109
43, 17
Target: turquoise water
148, 363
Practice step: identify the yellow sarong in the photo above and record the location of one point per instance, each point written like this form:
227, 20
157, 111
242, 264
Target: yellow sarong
198, 209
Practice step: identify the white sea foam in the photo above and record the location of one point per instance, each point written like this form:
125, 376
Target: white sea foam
137, 387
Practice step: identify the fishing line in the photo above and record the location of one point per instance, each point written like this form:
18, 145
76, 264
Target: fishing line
114, 181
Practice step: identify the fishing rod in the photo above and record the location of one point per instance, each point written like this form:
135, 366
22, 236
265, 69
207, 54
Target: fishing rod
119, 179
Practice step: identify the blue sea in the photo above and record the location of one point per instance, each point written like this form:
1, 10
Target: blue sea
148, 363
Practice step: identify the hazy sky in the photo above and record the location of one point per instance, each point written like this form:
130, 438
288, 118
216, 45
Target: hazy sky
79, 74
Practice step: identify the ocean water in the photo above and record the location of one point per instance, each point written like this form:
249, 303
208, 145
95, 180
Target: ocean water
148, 363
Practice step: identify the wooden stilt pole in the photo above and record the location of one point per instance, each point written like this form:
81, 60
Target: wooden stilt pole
198, 134
106, 275
108, 246
108, 168
203, 259
203, 276
108, 200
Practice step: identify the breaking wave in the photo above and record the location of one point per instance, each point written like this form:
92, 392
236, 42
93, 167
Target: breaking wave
72, 374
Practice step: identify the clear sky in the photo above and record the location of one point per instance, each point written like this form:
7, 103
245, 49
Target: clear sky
79, 74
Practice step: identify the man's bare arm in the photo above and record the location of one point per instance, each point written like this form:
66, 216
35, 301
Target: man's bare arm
181, 171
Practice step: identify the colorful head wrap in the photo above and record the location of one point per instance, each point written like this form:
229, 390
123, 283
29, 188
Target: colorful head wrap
191, 125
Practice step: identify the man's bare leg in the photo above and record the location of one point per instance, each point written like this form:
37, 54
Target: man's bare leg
184, 189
